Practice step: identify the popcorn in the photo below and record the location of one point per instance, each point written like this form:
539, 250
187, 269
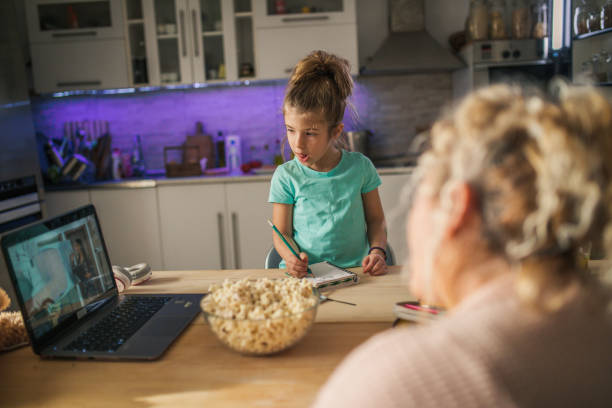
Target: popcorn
260, 316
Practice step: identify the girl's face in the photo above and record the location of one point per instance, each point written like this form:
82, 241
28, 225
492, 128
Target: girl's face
311, 140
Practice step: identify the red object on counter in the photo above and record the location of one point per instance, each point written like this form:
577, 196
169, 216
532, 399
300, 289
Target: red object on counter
253, 164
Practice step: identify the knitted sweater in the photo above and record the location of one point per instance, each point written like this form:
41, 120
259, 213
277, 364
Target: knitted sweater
489, 352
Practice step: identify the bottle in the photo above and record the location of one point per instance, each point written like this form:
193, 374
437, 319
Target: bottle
219, 150
221, 73
540, 28
116, 164
233, 153
138, 164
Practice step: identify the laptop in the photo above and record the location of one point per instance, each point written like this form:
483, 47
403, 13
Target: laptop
71, 307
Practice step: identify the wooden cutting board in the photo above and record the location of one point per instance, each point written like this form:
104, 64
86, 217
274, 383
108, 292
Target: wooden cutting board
205, 145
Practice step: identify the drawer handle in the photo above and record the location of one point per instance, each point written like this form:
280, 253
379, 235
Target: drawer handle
235, 233
182, 20
299, 19
221, 240
78, 83
195, 34
77, 34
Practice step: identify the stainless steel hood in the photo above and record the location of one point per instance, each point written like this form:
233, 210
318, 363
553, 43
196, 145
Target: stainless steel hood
409, 48
409, 53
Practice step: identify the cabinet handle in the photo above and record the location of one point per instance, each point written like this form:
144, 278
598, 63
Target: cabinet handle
195, 34
221, 240
235, 233
77, 34
309, 18
182, 21
78, 83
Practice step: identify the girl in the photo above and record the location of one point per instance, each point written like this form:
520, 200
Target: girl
326, 198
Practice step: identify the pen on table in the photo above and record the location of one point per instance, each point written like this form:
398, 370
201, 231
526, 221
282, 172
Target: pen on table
280, 234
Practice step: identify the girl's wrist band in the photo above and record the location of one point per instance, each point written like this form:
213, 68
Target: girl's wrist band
380, 249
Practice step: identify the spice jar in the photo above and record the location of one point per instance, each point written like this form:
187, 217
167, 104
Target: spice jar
478, 20
521, 20
540, 28
605, 16
497, 20
581, 15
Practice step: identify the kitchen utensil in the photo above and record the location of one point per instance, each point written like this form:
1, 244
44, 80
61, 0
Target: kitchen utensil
358, 140
323, 298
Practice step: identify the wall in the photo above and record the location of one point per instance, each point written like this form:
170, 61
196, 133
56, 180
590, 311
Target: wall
391, 107
445, 17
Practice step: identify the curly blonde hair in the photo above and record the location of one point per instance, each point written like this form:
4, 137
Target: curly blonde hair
541, 171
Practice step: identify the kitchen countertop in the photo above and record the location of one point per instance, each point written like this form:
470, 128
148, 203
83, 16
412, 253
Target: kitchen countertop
161, 181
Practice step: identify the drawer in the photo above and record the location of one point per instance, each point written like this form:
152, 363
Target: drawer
98, 64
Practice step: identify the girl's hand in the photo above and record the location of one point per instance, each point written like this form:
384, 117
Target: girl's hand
298, 267
374, 264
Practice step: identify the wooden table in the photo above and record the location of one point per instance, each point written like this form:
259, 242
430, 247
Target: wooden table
198, 370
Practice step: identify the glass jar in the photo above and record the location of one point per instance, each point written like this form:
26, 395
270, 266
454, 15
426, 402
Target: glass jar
593, 18
581, 15
497, 20
521, 20
540, 27
478, 21
605, 16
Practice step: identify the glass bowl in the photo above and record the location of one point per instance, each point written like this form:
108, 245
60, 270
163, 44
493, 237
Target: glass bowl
250, 317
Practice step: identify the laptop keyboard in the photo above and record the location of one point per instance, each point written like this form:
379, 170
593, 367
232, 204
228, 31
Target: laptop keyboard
115, 329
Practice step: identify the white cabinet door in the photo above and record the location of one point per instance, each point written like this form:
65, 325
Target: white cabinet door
95, 64
248, 210
279, 49
193, 226
130, 224
329, 12
69, 20
392, 195
59, 202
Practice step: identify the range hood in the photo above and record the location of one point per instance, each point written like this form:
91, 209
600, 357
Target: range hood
409, 48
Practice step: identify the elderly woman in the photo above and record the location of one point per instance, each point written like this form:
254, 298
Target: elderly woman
511, 188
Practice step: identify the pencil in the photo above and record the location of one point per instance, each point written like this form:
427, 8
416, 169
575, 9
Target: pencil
284, 239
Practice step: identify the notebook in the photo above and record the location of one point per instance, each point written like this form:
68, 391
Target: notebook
64, 283
326, 275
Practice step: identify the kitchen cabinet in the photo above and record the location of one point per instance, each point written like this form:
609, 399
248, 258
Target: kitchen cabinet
77, 45
59, 202
394, 201
130, 224
592, 58
248, 210
215, 226
282, 38
187, 41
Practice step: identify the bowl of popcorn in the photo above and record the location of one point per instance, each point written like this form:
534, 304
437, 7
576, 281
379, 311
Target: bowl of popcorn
260, 316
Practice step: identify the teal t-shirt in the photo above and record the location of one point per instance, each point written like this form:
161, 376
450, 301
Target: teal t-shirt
328, 217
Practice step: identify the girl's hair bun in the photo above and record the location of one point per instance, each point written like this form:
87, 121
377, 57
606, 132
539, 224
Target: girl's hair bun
321, 81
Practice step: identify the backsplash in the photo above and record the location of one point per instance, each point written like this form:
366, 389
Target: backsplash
391, 107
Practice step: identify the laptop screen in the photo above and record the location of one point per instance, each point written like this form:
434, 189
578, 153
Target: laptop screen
58, 267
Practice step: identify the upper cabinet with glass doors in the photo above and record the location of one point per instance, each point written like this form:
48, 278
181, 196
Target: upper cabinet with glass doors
276, 13
181, 41
50, 20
